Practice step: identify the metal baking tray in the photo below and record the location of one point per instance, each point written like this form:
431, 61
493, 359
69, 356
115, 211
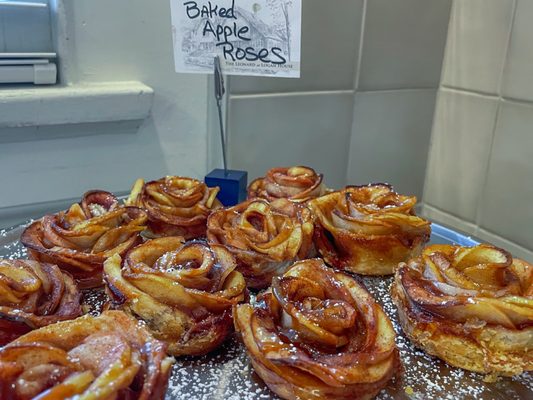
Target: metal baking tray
227, 374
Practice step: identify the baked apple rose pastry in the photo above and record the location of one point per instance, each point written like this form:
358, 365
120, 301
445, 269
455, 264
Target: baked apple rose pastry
100, 358
318, 334
470, 306
265, 238
80, 239
184, 292
298, 184
176, 206
33, 295
368, 229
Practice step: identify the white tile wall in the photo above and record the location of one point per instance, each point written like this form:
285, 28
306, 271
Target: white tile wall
390, 138
474, 230
477, 40
459, 152
518, 73
480, 172
403, 47
403, 44
270, 131
507, 202
330, 44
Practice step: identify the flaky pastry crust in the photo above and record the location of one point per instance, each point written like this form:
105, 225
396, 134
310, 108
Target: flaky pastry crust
33, 295
318, 334
80, 239
368, 229
298, 184
183, 292
471, 307
176, 206
97, 358
265, 237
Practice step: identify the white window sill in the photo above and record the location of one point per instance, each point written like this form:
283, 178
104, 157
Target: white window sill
75, 104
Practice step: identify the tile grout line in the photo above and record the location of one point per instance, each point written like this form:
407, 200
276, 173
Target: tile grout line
507, 45
409, 89
328, 92
431, 143
447, 47
360, 48
483, 184
437, 97
428, 209
356, 87
499, 95
437, 209
485, 178
290, 94
478, 230
472, 92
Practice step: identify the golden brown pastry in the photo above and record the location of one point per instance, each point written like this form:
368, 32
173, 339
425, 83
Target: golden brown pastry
368, 229
183, 292
265, 238
33, 295
97, 358
298, 184
176, 206
470, 306
318, 334
80, 239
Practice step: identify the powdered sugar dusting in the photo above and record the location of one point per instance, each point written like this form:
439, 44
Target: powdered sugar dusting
94, 301
223, 374
427, 377
10, 246
227, 373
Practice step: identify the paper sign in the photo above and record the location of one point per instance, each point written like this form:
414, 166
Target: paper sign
251, 37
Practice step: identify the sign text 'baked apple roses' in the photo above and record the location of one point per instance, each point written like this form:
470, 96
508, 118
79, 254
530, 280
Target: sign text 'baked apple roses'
80, 239
368, 229
470, 306
33, 295
176, 206
265, 238
97, 358
298, 184
184, 292
318, 334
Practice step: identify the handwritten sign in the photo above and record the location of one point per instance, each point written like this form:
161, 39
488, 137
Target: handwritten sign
251, 37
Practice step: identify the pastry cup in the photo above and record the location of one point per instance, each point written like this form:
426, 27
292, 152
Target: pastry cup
265, 237
471, 307
318, 334
80, 239
176, 206
297, 184
33, 295
368, 229
101, 358
183, 292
